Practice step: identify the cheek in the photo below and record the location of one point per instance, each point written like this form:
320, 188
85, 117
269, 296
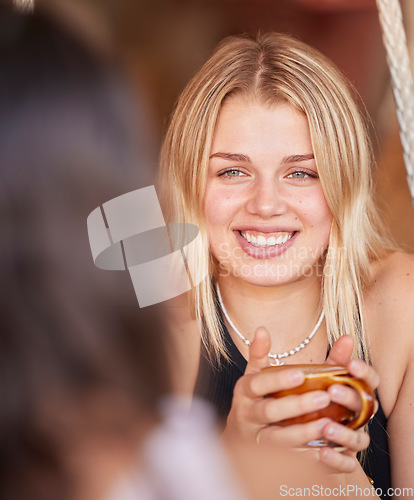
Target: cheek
323, 221
214, 226
218, 213
219, 208
314, 207
324, 214
212, 212
212, 218
315, 213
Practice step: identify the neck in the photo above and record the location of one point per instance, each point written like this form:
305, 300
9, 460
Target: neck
289, 311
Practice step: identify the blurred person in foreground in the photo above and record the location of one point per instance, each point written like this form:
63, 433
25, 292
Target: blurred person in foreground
84, 383
74, 347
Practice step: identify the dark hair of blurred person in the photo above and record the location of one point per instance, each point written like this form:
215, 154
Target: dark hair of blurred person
81, 366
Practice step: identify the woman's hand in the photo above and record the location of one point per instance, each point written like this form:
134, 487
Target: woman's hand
255, 417
353, 440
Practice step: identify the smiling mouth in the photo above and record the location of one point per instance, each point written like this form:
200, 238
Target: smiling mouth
261, 241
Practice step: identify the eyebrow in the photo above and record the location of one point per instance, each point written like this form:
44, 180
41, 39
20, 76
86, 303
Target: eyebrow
298, 158
245, 158
231, 157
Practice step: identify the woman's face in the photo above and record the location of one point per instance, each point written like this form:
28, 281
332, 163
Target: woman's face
267, 218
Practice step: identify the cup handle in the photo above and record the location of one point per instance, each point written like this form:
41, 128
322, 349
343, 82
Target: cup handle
367, 399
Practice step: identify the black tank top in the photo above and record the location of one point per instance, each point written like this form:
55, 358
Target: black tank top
216, 385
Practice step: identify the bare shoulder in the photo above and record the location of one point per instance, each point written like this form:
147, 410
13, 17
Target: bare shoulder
392, 285
390, 326
396, 268
389, 314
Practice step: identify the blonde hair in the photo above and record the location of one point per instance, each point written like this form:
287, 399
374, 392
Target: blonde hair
273, 68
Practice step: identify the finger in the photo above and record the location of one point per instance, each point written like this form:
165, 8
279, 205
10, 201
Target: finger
259, 349
269, 382
345, 396
338, 462
341, 351
339, 434
273, 410
294, 436
360, 369
348, 397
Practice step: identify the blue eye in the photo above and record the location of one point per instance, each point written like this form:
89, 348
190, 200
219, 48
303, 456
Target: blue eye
299, 175
302, 175
232, 172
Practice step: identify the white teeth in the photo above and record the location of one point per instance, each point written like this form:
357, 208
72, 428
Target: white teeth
262, 241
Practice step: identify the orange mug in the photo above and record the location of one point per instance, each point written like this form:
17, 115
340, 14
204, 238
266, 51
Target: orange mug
320, 377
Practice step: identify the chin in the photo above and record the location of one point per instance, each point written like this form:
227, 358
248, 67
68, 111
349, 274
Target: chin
266, 274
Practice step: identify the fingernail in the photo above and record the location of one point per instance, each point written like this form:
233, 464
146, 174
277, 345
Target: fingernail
297, 376
331, 431
356, 366
337, 390
322, 423
321, 399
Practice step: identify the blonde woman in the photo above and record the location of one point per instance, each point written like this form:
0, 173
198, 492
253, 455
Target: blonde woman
268, 153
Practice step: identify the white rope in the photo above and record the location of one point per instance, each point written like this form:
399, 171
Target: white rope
395, 42
24, 5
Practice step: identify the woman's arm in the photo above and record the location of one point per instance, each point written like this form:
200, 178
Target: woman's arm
400, 429
390, 314
396, 285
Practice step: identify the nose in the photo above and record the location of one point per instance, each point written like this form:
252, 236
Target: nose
268, 198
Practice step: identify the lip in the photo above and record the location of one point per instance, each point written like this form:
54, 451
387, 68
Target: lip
265, 252
266, 229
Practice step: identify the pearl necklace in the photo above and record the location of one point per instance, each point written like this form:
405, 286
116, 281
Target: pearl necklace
274, 358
